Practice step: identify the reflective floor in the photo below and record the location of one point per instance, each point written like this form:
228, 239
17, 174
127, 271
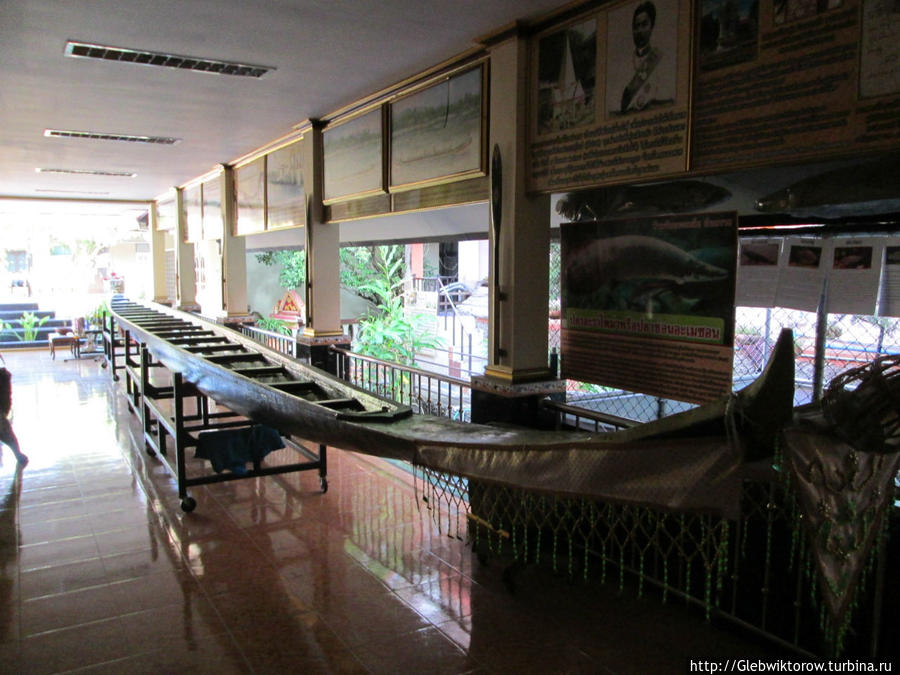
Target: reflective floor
101, 571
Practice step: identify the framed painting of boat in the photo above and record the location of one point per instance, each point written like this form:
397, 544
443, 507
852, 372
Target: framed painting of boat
438, 132
213, 225
250, 189
353, 157
285, 192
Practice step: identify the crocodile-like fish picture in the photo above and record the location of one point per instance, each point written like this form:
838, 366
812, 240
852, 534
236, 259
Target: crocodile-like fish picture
628, 257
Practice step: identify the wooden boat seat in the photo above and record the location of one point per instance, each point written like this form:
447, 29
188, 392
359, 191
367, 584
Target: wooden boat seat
197, 339
260, 371
230, 359
200, 349
341, 404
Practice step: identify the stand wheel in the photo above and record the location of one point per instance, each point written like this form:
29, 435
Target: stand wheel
149, 450
188, 504
323, 483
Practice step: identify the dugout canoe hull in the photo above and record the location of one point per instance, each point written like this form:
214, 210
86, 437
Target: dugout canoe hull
690, 461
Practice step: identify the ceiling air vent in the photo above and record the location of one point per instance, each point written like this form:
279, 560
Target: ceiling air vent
71, 192
100, 136
89, 172
86, 50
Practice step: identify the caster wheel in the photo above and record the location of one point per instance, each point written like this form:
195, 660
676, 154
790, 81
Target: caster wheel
188, 504
323, 483
149, 450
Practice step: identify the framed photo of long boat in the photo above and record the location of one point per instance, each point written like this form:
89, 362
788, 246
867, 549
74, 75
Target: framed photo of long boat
438, 132
610, 96
794, 80
648, 304
353, 157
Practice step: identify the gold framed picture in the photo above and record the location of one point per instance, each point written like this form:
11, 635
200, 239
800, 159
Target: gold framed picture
438, 132
353, 157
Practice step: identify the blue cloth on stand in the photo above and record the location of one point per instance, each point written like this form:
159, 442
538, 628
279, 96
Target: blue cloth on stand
231, 449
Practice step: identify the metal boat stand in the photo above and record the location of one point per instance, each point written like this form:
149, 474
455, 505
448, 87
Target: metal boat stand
161, 409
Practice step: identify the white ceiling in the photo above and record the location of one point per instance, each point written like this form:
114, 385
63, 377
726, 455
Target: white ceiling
326, 54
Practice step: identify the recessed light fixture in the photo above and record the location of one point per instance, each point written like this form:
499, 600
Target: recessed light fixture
88, 172
101, 136
86, 50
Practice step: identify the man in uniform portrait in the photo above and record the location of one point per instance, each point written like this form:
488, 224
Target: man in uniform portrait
650, 83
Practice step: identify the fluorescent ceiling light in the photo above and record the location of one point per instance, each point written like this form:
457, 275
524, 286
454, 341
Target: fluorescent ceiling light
86, 50
101, 136
88, 172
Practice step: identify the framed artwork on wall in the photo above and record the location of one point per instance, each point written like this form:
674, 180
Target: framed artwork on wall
285, 192
353, 157
250, 190
438, 132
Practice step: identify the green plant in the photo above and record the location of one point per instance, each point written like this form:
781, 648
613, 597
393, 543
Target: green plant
274, 325
30, 324
390, 334
95, 318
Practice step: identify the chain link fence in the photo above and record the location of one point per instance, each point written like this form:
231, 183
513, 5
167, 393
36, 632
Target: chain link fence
824, 347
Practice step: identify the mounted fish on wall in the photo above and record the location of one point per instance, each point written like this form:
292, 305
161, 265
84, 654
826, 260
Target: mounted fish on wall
854, 189
617, 201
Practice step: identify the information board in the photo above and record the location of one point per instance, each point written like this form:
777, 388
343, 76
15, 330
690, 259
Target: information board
648, 304
800, 80
610, 94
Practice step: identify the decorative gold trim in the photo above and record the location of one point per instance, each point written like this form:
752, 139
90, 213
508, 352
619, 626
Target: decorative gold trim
511, 376
311, 332
277, 144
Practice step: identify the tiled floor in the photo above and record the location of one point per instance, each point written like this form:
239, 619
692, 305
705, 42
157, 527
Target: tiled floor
101, 571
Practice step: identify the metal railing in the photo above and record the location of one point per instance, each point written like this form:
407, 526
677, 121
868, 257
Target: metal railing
570, 416
286, 344
424, 391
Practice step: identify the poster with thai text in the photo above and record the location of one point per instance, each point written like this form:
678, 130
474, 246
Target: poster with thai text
610, 94
855, 276
794, 80
758, 272
648, 304
804, 265
889, 304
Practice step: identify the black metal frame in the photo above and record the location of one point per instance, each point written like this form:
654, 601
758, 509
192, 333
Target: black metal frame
159, 424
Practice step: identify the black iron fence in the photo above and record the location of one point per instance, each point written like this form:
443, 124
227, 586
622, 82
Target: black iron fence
424, 391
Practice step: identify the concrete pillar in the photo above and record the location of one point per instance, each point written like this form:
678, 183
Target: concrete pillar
158, 257
519, 297
517, 376
234, 257
323, 262
185, 278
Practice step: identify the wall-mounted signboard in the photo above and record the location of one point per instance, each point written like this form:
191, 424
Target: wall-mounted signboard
648, 304
610, 95
794, 80
285, 192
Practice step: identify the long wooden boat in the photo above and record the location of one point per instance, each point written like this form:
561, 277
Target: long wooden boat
694, 460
